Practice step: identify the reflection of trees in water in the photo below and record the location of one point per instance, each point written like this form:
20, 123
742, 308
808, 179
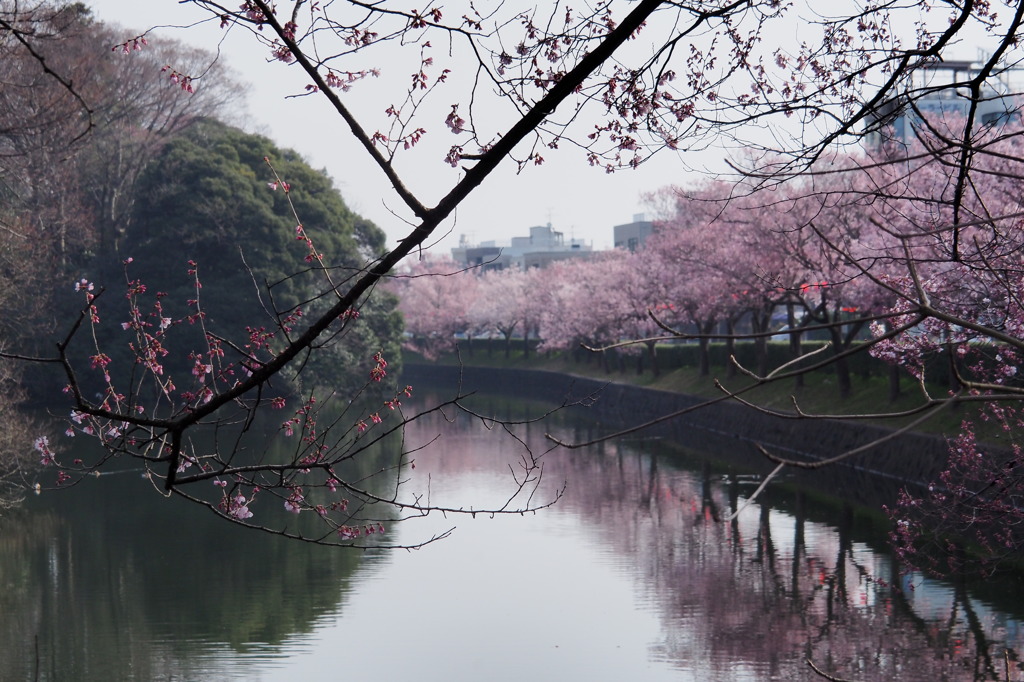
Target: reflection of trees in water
111, 582
755, 594
22, 538
764, 591
58, 635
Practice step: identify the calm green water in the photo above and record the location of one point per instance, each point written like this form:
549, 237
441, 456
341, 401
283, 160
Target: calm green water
634, 575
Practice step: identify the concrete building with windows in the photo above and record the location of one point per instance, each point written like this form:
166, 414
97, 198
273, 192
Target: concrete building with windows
632, 235
935, 97
542, 247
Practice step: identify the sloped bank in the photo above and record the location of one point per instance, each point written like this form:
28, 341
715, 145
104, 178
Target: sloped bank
727, 433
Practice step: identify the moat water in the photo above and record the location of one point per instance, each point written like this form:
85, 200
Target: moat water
635, 574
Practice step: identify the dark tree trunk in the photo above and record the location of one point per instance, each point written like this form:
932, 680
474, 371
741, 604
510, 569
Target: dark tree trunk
730, 348
705, 357
841, 366
652, 354
759, 322
704, 329
795, 341
954, 382
894, 383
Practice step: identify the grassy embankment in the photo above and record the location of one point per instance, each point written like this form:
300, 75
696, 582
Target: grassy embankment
818, 395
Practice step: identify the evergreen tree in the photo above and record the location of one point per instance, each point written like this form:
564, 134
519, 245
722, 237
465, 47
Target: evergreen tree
210, 204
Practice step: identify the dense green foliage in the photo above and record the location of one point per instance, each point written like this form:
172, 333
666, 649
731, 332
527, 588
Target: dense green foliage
207, 199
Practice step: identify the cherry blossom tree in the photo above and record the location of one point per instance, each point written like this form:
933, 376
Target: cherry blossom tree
812, 216
898, 242
571, 316
635, 289
503, 302
731, 259
957, 296
435, 297
695, 249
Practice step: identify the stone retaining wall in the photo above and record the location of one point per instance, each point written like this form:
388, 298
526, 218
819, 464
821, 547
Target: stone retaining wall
726, 432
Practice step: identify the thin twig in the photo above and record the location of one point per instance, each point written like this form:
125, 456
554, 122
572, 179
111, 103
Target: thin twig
757, 492
824, 674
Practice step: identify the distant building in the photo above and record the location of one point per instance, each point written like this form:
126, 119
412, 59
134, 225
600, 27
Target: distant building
543, 247
484, 255
632, 235
895, 120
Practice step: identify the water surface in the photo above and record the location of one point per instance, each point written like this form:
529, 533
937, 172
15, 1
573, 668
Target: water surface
635, 574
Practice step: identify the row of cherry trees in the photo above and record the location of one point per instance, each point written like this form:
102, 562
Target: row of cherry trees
841, 248
726, 259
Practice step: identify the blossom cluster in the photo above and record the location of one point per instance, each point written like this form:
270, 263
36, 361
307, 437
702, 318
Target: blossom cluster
180, 79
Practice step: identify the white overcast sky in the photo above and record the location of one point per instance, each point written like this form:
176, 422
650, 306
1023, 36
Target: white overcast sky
580, 201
